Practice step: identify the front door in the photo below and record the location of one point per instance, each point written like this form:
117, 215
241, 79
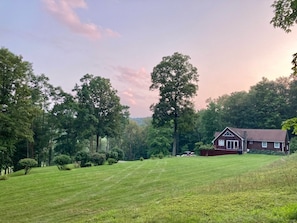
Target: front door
232, 144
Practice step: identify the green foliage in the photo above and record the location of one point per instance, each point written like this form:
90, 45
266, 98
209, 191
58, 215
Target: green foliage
293, 145
207, 146
112, 154
61, 161
27, 164
266, 151
16, 108
83, 158
3, 177
134, 142
88, 164
264, 106
98, 158
285, 14
99, 110
290, 124
120, 153
111, 161
160, 155
141, 158
201, 146
159, 139
210, 121
176, 79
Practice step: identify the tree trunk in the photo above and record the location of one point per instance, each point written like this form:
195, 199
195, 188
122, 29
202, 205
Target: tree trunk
175, 136
50, 152
97, 142
91, 143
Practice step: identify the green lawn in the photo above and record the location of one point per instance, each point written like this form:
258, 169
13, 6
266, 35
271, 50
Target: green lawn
233, 188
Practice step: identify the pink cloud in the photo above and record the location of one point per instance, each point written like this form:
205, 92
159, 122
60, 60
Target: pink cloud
137, 78
63, 10
134, 85
128, 96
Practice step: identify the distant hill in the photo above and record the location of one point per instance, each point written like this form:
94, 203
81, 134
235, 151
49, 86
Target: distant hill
141, 121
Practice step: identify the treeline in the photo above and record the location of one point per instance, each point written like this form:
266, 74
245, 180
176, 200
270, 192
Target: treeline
41, 121
265, 106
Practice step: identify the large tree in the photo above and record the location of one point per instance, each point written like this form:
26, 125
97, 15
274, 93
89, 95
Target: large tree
285, 16
176, 79
16, 108
100, 111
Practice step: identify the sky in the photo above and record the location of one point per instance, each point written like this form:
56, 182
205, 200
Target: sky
231, 42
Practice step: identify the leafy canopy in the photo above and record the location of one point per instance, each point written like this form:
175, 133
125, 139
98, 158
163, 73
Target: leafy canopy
285, 14
176, 79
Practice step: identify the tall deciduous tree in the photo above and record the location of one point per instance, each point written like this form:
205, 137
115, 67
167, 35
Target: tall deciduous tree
99, 107
176, 79
16, 108
64, 115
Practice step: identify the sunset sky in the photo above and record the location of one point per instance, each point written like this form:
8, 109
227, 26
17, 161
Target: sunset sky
231, 42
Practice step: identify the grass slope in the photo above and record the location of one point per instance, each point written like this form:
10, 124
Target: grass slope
233, 188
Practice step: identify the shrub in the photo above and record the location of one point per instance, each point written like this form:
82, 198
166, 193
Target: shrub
153, 157
200, 146
4, 177
120, 153
88, 164
27, 164
61, 161
266, 151
113, 154
83, 157
111, 161
98, 158
161, 155
141, 159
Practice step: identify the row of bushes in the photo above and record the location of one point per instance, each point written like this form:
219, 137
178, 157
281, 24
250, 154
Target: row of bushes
87, 159
267, 152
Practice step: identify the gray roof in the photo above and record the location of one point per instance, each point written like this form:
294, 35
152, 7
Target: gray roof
268, 135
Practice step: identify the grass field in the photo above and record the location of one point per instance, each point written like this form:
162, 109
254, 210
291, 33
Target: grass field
233, 188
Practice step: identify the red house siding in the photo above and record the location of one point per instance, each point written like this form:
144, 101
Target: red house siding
243, 139
258, 145
228, 142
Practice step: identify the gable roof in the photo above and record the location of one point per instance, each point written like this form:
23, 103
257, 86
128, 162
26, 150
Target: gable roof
267, 135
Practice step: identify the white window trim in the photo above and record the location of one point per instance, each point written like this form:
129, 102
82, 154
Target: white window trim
228, 134
221, 142
264, 144
233, 142
276, 143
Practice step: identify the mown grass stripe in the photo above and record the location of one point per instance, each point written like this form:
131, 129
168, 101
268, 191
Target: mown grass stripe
162, 190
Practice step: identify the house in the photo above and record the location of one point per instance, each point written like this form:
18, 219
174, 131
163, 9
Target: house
242, 140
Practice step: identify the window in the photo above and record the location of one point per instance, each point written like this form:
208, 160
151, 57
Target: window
276, 145
232, 144
264, 144
221, 142
228, 134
